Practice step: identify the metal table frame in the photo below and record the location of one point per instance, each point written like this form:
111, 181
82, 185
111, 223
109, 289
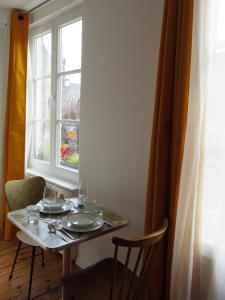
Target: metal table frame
49, 241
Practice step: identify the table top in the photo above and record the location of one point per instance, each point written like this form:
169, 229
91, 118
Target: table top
49, 241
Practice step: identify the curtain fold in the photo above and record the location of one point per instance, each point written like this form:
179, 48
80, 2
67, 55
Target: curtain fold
14, 141
198, 269
168, 136
185, 281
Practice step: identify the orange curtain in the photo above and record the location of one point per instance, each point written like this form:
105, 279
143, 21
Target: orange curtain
168, 136
14, 151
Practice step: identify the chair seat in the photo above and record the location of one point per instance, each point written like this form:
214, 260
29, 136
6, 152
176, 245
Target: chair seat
24, 238
97, 280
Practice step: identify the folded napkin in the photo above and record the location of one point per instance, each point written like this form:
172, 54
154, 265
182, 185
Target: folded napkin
75, 201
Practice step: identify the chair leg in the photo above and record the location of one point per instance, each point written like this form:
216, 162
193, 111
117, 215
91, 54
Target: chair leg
31, 271
14, 263
71, 297
42, 257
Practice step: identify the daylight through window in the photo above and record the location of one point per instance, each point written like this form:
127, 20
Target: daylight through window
56, 65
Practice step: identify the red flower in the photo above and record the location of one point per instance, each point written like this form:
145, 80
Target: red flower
64, 151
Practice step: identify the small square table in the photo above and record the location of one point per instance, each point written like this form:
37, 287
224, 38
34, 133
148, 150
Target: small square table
50, 241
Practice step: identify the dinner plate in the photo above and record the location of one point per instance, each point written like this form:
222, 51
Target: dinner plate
64, 208
96, 225
81, 220
58, 204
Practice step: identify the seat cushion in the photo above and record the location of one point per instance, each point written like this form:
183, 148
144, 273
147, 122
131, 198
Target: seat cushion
93, 283
23, 237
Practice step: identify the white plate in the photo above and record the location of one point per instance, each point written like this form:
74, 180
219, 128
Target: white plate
58, 204
81, 220
66, 224
65, 208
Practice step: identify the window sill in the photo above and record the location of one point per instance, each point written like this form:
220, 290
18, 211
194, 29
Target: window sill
69, 186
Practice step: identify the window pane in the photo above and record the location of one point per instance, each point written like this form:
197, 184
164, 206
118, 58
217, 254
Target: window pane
43, 94
69, 145
70, 47
42, 141
43, 55
69, 96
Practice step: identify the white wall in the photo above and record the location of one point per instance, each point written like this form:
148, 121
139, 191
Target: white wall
4, 56
120, 53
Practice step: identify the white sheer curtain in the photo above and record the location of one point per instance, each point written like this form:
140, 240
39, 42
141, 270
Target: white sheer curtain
198, 270
29, 108
213, 210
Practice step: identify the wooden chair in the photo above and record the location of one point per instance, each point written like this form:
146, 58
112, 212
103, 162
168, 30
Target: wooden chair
19, 194
109, 278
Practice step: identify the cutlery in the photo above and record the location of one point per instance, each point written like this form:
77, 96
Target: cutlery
69, 235
58, 226
108, 223
53, 229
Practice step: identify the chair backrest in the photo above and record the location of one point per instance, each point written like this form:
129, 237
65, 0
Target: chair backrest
24, 192
147, 246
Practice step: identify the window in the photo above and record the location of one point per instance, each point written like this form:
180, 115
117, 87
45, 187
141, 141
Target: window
56, 85
68, 94
42, 96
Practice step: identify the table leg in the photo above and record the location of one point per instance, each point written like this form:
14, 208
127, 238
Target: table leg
66, 266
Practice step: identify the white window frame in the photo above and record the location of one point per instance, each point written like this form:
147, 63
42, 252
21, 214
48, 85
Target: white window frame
52, 168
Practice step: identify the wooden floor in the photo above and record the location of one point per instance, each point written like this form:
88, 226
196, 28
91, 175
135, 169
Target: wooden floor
46, 280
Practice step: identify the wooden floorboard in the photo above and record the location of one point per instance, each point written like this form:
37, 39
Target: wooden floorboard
46, 280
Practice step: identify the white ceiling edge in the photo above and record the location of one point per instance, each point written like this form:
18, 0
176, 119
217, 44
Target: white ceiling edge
52, 9
9, 5
12, 4
5, 10
47, 11
35, 3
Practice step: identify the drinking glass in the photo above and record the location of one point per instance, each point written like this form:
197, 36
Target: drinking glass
50, 197
82, 193
98, 209
32, 214
89, 206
